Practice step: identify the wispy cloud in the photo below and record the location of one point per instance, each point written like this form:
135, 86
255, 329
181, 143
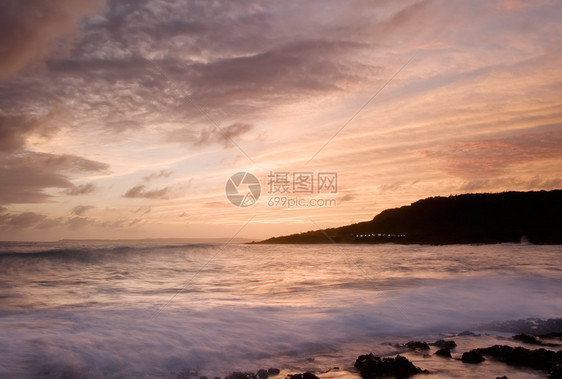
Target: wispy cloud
79, 210
157, 175
490, 157
21, 220
15, 130
81, 189
140, 191
29, 29
26, 175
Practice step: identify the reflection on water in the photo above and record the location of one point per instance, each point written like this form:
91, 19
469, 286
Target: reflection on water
105, 308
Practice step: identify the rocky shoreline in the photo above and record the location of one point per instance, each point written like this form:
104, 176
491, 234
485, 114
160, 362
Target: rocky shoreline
546, 357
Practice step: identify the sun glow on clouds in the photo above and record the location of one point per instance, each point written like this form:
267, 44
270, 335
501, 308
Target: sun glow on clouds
127, 118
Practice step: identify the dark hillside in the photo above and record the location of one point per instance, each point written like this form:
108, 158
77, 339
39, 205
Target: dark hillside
469, 218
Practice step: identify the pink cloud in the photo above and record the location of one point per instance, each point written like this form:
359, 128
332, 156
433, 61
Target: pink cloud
28, 29
474, 159
511, 5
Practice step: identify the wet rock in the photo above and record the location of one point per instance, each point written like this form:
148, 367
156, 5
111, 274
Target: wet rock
417, 345
551, 335
445, 352
466, 333
241, 375
539, 359
555, 371
262, 374
306, 375
444, 344
371, 366
532, 340
529, 326
273, 371
472, 356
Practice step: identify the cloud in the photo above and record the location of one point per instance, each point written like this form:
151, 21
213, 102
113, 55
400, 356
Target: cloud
15, 129
141, 192
26, 175
490, 157
32, 220
29, 29
157, 175
143, 210
225, 135
68, 162
121, 223
79, 210
81, 189
511, 5
144, 63
296, 69
21, 220
347, 197
78, 222
50, 223
510, 183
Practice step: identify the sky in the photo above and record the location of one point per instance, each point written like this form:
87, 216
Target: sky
126, 119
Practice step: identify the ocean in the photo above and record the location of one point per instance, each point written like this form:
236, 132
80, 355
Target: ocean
153, 310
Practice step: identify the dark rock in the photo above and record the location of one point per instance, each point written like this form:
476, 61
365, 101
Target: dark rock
241, 375
262, 374
306, 375
532, 340
445, 352
551, 335
530, 326
203, 377
472, 356
217, 377
539, 359
555, 371
188, 374
467, 333
444, 344
417, 345
371, 367
273, 371
502, 377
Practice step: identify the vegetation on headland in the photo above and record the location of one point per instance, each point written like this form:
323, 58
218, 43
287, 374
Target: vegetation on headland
535, 217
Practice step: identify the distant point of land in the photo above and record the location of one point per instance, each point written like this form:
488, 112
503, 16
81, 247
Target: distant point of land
526, 217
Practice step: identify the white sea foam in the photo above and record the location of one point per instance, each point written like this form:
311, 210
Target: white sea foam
148, 311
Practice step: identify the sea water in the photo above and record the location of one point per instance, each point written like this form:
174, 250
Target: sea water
124, 309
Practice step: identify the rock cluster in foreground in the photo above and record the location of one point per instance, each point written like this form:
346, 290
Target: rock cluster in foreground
539, 359
370, 366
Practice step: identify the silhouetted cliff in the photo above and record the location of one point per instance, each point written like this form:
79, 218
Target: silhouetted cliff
469, 218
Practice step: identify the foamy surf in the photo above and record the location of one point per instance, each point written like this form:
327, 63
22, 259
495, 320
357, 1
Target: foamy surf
152, 311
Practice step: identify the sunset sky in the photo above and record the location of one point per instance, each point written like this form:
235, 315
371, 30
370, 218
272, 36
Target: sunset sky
125, 119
